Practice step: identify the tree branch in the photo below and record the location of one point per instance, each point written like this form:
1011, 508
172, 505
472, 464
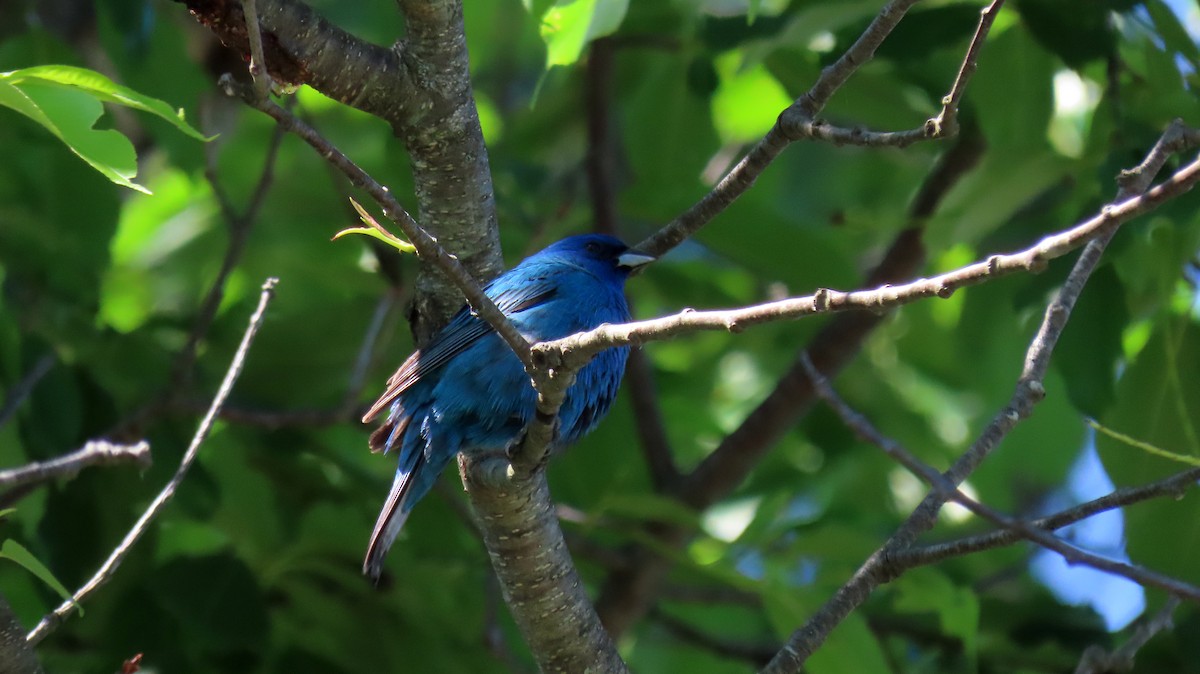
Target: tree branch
94, 453
876, 569
799, 121
451, 175
110, 565
946, 490
21, 390
421, 87
578, 349
1096, 661
1173, 486
639, 372
541, 587
627, 592
238, 223
427, 247
757, 653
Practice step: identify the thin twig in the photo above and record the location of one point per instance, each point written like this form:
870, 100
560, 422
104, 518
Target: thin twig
598, 162
258, 64
649, 423
366, 350
601, 149
427, 247
94, 453
947, 120
1029, 391
110, 565
947, 490
238, 223
1096, 660
21, 390
578, 349
800, 122
1173, 486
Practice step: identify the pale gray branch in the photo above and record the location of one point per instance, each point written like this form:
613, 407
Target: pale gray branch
1096, 660
110, 565
427, 247
948, 491
576, 350
1029, 391
94, 453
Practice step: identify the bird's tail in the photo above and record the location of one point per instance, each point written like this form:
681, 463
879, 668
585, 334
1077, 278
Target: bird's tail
395, 512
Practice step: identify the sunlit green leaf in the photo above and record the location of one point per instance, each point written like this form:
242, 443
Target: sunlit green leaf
569, 25
17, 553
106, 90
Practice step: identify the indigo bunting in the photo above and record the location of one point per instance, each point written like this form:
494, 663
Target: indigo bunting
467, 391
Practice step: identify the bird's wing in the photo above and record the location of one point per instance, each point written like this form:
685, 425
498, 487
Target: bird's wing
461, 332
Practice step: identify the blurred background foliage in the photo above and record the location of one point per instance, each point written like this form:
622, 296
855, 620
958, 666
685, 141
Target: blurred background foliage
255, 566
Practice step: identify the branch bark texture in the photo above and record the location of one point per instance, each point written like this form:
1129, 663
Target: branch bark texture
421, 87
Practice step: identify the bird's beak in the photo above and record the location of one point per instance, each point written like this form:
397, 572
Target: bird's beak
634, 261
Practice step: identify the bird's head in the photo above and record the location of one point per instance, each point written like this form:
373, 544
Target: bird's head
600, 254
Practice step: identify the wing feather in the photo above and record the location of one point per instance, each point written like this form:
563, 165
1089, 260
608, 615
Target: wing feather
460, 333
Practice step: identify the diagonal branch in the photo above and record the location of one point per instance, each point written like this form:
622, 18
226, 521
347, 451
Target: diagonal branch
94, 453
427, 247
800, 121
21, 390
1096, 660
948, 491
110, 565
1173, 487
1029, 391
578, 349
627, 592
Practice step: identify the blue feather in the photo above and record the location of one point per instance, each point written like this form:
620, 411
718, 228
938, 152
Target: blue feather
467, 392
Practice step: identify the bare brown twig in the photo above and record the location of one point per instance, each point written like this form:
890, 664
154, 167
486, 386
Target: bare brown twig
627, 592
948, 491
578, 349
258, 63
427, 247
238, 223
800, 122
1170, 487
110, 565
1029, 391
1096, 660
94, 453
21, 390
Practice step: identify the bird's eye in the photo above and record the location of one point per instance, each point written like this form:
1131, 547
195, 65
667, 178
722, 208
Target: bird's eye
592, 247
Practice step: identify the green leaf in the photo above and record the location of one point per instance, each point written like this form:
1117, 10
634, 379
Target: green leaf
570, 25
106, 90
929, 591
1091, 343
748, 100
17, 553
67, 102
70, 114
1156, 403
850, 649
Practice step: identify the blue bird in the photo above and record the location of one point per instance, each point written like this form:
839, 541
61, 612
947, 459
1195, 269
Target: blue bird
466, 390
